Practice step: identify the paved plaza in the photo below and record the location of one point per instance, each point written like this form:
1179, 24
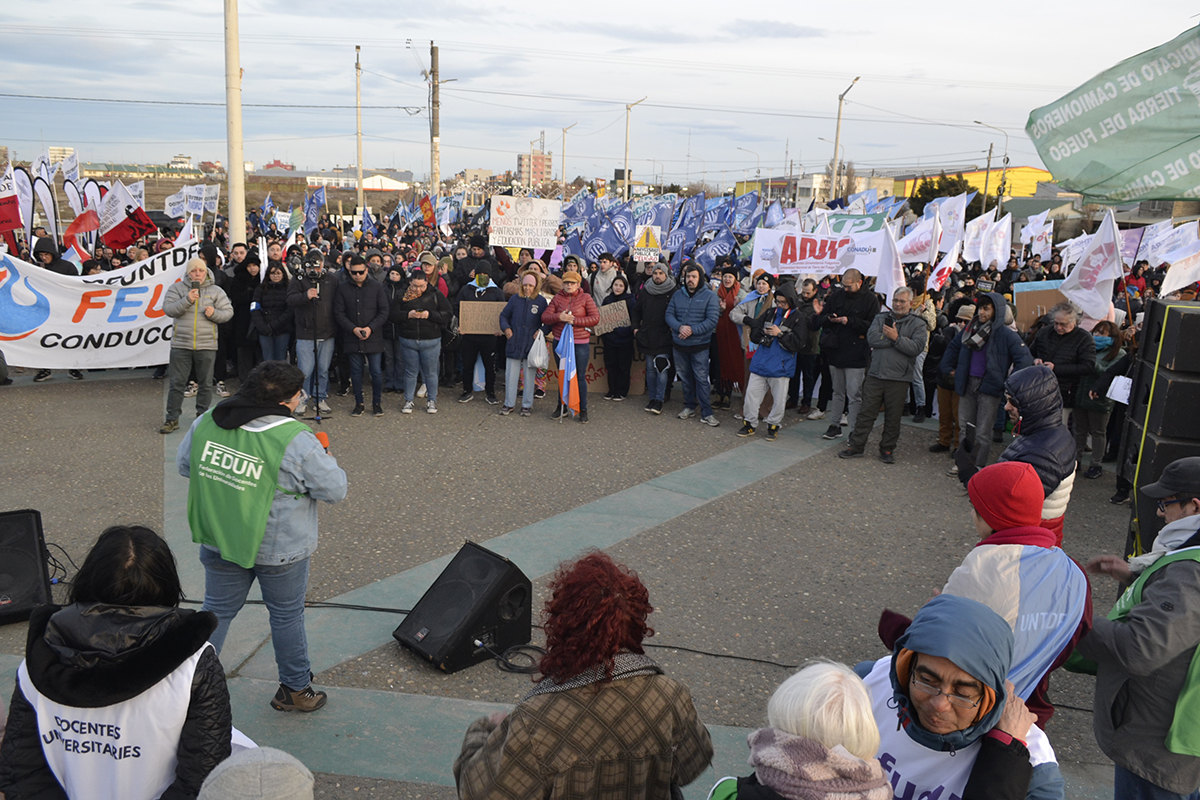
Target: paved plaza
773, 552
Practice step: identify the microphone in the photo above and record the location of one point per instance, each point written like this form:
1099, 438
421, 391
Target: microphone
323, 438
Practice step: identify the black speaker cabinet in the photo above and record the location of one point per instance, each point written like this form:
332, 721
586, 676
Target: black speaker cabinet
1175, 405
24, 581
1175, 324
480, 595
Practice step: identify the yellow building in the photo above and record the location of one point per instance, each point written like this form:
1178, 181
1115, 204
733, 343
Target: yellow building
1022, 181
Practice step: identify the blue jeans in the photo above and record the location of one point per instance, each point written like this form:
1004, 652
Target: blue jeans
513, 367
1127, 786
275, 348
393, 365
324, 356
375, 365
421, 355
283, 586
693, 373
656, 381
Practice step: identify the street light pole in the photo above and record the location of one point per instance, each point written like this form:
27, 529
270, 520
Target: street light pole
836, 157
358, 122
625, 182
837, 137
1003, 170
563, 160
233, 126
757, 167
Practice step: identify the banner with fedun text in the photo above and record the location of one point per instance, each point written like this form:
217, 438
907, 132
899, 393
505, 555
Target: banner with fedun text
115, 319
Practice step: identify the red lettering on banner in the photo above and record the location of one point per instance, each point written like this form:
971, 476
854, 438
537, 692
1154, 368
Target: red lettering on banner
787, 254
88, 301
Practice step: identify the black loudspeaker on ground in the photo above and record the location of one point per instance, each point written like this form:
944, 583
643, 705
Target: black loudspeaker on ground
479, 596
24, 580
1163, 422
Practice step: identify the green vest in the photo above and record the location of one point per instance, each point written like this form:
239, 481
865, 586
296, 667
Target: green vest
234, 475
1184, 735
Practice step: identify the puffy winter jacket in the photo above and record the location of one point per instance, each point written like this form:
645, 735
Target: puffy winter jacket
649, 317
364, 306
523, 316
270, 313
581, 305
1043, 441
432, 301
314, 318
194, 330
1072, 354
92, 656
700, 310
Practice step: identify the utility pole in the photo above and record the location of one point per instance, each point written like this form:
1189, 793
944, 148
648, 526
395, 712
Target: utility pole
987, 175
358, 122
625, 182
435, 128
837, 138
563, 163
233, 126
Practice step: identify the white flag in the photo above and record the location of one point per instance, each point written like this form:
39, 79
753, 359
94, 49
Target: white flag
1033, 225
1090, 284
1184, 270
194, 199
891, 271
138, 192
997, 244
937, 279
41, 165
973, 234
1072, 249
70, 166
173, 206
6, 182
916, 245
212, 192
1176, 239
186, 234
935, 237
1042, 240
954, 214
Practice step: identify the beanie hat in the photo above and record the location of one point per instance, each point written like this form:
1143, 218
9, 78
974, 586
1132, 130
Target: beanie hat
479, 241
258, 773
1007, 494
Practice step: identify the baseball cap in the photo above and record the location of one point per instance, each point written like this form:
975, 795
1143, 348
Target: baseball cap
1181, 476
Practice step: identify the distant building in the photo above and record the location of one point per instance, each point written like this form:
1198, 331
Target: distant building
481, 175
180, 162
277, 164
212, 167
1021, 181
59, 153
542, 164
90, 169
248, 167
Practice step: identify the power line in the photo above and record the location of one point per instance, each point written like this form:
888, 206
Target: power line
410, 109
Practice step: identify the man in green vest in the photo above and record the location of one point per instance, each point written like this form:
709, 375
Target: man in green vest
1147, 707
255, 475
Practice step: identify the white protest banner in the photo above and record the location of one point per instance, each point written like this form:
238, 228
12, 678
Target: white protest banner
997, 243
524, 222
1156, 251
973, 235
1042, 240
212, 192
1032, 225
784, 252
193, 199
1184, 269
110, 320
916, 245
174, 205
953, 215
70, 168
855, 223
138, 192
647, 243
1090, 284
1153, 232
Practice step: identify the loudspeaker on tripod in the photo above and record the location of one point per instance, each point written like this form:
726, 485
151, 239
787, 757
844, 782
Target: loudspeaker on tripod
480, 595
24, 580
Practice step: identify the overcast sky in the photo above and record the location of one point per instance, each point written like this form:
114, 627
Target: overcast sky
763, 76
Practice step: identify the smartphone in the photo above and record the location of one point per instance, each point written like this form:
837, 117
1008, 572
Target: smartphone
195, 284
890, 321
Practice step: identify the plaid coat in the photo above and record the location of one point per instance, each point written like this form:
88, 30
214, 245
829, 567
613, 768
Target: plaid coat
626, 740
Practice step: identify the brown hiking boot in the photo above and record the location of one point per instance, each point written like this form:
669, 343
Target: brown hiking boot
306, 699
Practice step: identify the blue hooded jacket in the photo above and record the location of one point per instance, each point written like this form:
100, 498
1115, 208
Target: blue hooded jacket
1043, 441
1004, 350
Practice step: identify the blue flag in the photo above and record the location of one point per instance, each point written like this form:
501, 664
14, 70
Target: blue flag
746, 225
774, 215
721, 245
312, 210
622, 222
659, 215
692, 208
603, 240
368, 223
573, 247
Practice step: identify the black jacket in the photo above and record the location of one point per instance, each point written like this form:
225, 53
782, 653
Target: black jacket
240, 289
313, 318
1043, 441
649, 318
393, 291
364, 306
845, 346
463, 270
431, 301
59, 264
1072, 354
102, 655
270, 313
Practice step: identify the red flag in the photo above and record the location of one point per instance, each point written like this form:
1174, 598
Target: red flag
10, 213
427, 211
122, 220
86, 222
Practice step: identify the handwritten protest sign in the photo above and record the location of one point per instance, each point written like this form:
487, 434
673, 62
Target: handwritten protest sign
480, 316
524, 222
612, 316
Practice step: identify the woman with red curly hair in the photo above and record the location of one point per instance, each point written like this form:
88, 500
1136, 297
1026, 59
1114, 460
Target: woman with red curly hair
603, 721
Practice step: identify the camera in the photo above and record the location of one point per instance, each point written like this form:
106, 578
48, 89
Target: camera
313, 261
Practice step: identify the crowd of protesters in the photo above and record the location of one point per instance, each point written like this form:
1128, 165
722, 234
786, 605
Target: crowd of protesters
960, 704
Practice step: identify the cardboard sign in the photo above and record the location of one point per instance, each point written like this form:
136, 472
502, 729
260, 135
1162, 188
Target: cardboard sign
1034, 300
647, 243
612, 316
479, 316
596, 374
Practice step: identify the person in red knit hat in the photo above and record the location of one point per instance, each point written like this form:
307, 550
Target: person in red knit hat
1018, 572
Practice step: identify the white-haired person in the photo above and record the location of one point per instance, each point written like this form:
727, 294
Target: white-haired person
820, 743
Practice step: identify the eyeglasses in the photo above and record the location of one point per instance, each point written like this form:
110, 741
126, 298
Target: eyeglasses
358, 272
934, 691
1162, 504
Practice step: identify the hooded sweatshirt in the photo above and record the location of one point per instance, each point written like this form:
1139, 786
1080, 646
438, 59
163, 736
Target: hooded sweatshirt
919, 762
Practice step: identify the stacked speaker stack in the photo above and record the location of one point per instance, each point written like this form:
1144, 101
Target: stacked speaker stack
24, 581
1163, 422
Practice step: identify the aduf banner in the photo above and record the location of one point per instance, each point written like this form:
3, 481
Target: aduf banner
1130, 132
115, 319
